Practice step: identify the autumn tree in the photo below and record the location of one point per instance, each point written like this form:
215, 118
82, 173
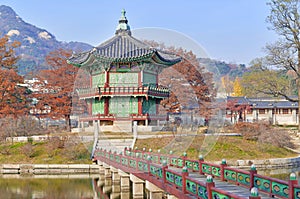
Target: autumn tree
13, 102
58, 83
237, 87
285, 53
227, 84
189, 83
237, 110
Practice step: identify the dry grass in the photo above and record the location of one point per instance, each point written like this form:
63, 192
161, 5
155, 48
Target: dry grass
228, 147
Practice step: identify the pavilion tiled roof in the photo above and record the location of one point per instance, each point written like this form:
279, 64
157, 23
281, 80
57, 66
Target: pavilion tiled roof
124, 48
264, 103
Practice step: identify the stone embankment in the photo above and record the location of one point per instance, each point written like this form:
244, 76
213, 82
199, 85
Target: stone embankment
39, 169
276, 163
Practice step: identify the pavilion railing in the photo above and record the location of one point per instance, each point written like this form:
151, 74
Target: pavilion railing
151, 90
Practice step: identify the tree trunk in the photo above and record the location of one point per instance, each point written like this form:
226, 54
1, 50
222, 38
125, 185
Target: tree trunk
68, 122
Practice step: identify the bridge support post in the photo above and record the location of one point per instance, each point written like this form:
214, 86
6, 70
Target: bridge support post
107, 179
116, 187
171, 197
101, 174
155, 192
115, 175
124, 181
137, 187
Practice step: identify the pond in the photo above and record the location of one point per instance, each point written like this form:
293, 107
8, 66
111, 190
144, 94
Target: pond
54, 187
77, 186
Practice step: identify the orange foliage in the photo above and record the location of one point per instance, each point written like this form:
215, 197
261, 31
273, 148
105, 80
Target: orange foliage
58, 85
190, 85
12, 94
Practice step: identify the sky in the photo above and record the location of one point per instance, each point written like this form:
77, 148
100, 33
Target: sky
234, 31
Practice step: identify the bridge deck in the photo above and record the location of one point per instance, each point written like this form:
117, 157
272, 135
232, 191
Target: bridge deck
226, 186
186, 178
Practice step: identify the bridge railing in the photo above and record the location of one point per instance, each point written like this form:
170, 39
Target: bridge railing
274, 187
176, 182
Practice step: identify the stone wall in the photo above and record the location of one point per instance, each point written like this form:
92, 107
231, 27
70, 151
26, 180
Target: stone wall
49, 168
268, 163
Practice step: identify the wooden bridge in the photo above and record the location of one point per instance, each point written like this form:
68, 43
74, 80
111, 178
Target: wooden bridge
182, 178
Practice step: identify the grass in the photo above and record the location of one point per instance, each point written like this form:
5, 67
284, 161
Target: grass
228, 147
43, 153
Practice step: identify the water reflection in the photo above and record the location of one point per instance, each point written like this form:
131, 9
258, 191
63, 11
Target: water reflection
42, 187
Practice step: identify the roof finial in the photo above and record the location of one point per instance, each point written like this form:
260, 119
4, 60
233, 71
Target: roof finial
123, 26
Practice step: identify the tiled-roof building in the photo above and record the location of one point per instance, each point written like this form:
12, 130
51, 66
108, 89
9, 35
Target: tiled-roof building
275, 110
123, 80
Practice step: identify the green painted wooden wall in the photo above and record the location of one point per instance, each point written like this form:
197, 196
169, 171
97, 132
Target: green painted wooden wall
123, 106
149, 106
123, 79
98, 106
98, 80
149, 78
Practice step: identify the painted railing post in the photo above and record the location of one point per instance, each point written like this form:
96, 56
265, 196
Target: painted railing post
170, 157
184, 156
150, 153
185, 173
158, 156
148, 164
253, 171
222, 169
209, 184
143, 152
125, 149
165, 166
254, 193
201, 160
292, 181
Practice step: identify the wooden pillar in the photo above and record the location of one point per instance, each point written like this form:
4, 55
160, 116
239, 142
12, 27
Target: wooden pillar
106, 84
137, 187
155, 192
106, 106
140, 106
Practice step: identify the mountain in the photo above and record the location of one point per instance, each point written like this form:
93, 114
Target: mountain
36, 43
221, 68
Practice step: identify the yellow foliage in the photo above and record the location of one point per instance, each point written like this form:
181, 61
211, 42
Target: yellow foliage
237, 88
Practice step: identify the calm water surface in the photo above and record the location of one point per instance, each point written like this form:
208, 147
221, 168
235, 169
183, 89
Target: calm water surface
46, 188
